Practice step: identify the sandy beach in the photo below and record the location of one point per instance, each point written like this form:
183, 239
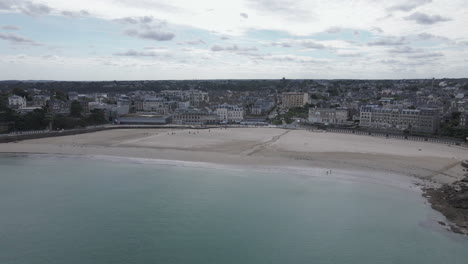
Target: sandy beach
272, 147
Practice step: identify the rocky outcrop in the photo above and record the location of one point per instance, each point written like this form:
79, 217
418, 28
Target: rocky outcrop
452, 201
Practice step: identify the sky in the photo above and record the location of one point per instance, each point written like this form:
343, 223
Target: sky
89, 40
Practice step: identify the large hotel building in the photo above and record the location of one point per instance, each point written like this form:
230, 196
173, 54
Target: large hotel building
425, 120
294, 99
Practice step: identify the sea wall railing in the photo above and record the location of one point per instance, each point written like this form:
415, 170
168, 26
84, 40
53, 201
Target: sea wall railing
24, 135
399, 136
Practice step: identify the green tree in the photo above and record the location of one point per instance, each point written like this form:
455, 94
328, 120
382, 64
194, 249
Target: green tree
314, 96
334, 91
76, 109
96, 117
20, 92
35, 120
64, 122
59, 94
3, 102
277, 122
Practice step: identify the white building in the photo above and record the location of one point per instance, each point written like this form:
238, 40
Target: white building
97, 105
153, 104
183, 105
194, 117
424, 120
262, 106
179, 94
17, 101
230, 114
120, 110
328, 115
73, 96
196, 97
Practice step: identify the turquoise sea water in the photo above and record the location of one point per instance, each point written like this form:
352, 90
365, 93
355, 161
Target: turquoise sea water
76, 210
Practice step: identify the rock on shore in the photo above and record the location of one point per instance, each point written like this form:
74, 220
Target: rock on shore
452, 201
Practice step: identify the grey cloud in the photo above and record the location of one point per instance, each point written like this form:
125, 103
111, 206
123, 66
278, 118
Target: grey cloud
146, 19
146, 24
409, 5
404, 49
7, 4
416, 53
194, 42
388, 42
51, 57
256, 56
18, 39
34, 9
127, 20
427, 36
134, 53
232, 48
26, 7
426, 55
334, 30
75, 14
68, 13
149, 5
217, 48
252, 54
288, 8
244, 15
308, 44
224, 38
131, 32
137, 20
377, 29
284, 58
425, 19
312, 45
157, 35
10, 27
281, 44
390, 61
350, 55
151, 34
291, 58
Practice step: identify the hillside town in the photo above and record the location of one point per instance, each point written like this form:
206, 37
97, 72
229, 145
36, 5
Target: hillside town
426, 107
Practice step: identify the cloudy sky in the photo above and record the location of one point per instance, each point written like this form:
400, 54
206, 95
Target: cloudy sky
242, 39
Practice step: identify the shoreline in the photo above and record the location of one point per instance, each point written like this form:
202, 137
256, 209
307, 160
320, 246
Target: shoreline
389, 179
434, 163
410, 165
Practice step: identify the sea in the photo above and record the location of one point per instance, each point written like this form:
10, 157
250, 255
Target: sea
85, 210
